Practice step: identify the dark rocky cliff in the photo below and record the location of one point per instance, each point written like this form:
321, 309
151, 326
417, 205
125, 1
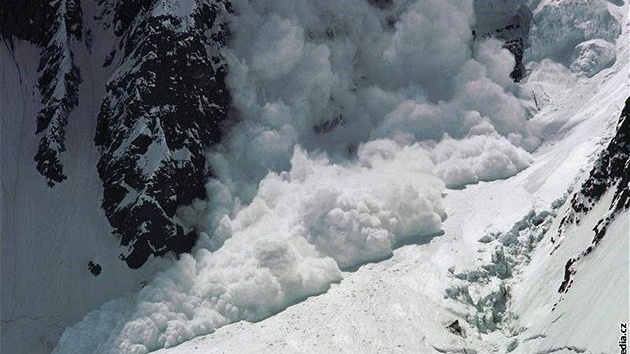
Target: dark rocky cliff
164, 104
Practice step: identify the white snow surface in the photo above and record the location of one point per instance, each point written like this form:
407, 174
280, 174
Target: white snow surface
298, 215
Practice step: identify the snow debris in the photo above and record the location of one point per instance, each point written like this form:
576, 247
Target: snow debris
491, 285
288, 243
593, 56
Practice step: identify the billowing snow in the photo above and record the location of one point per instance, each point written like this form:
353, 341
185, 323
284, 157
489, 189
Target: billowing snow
477, 158
330, 76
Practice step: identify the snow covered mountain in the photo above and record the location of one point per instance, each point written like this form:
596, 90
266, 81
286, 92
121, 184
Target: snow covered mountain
445, 176
163, 103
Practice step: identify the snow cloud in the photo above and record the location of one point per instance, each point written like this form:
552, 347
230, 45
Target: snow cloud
331, 75
477, 158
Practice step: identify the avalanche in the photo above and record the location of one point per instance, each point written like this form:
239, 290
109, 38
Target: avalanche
389, 176
407, 303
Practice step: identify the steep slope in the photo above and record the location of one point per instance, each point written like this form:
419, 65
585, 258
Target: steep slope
593, 239
49, 235
59, 27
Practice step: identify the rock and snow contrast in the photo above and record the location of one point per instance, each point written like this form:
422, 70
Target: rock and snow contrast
294, 176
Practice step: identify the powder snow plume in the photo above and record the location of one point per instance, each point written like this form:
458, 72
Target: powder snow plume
353, 116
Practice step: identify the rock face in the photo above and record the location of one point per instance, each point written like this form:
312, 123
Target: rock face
17, 17
59, 88
163, 105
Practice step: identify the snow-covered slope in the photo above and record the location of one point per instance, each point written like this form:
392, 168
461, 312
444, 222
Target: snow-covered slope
591, 238
49, 236
344, 133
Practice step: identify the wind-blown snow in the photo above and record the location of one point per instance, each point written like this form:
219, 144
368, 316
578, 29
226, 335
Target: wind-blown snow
398, 305
352, 119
